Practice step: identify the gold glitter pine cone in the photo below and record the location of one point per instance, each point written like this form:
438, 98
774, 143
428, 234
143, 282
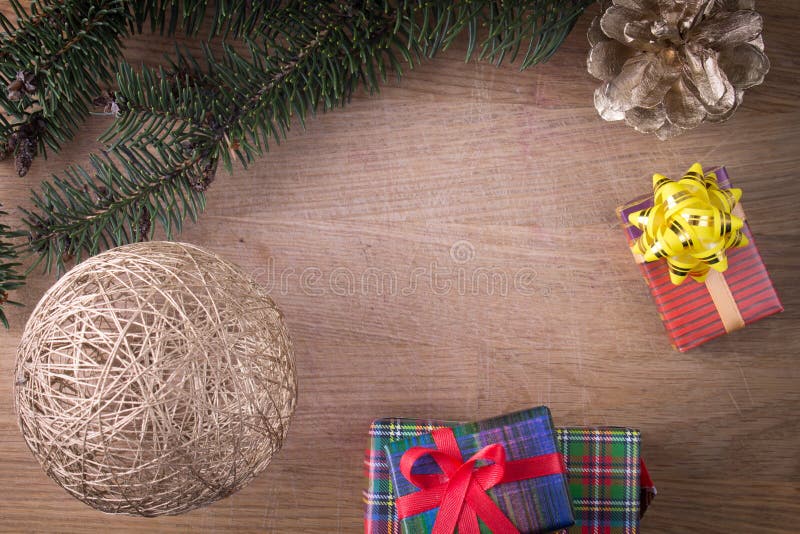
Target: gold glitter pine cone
669, 65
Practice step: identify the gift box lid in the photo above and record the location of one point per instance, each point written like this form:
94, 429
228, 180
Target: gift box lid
534, 505
688, 310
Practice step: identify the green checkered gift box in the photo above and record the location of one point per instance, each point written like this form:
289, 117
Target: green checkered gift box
609, 485
603, 466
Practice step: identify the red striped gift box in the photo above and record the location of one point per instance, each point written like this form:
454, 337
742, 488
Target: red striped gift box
688, 310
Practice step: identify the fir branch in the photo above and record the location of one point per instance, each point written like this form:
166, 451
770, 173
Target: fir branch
10, 278
51, 63
306, 60
231, 18
81, 213
54, 59
176, 124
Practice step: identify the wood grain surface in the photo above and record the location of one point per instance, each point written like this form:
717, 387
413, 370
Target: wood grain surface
449, 249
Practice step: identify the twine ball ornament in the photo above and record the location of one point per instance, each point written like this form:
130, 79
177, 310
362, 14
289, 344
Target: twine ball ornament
153, 379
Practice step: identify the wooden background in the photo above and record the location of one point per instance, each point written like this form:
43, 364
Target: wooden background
463, 167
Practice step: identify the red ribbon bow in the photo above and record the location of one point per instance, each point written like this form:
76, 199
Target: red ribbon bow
460, 490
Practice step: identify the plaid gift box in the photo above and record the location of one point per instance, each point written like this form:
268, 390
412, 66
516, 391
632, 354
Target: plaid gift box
694, 313
380, 514
533, 503
609, 488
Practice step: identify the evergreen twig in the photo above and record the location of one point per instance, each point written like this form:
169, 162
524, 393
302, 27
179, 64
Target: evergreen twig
51, 64
176, 124
10, 278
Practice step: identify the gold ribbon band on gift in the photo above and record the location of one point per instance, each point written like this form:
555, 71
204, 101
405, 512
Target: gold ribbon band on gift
691, 224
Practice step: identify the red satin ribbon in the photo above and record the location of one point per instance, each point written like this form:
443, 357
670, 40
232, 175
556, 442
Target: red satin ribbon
460, 490
644, 477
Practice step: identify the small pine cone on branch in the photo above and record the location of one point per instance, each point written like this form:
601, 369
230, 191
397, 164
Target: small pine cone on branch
25, 152
21, 85
23, 143
145, 224
670, 65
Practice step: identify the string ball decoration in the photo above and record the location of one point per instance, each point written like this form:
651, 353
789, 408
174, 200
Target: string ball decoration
155, 378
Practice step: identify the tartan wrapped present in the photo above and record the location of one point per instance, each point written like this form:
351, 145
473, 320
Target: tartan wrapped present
741, 294
609, 485
503, 474
380, 513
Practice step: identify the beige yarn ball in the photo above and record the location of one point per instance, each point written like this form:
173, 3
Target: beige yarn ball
155, 378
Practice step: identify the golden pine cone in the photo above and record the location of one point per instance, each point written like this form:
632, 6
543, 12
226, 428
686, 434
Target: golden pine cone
669, 65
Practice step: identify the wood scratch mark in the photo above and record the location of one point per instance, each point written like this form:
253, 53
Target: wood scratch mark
735, 404
265, 517
717, 145
339, 501
539, 394
549, 378
746, 386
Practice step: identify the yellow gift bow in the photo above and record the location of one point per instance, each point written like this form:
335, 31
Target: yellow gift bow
690, 224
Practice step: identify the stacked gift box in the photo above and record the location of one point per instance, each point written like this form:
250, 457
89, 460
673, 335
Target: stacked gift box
599, 486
